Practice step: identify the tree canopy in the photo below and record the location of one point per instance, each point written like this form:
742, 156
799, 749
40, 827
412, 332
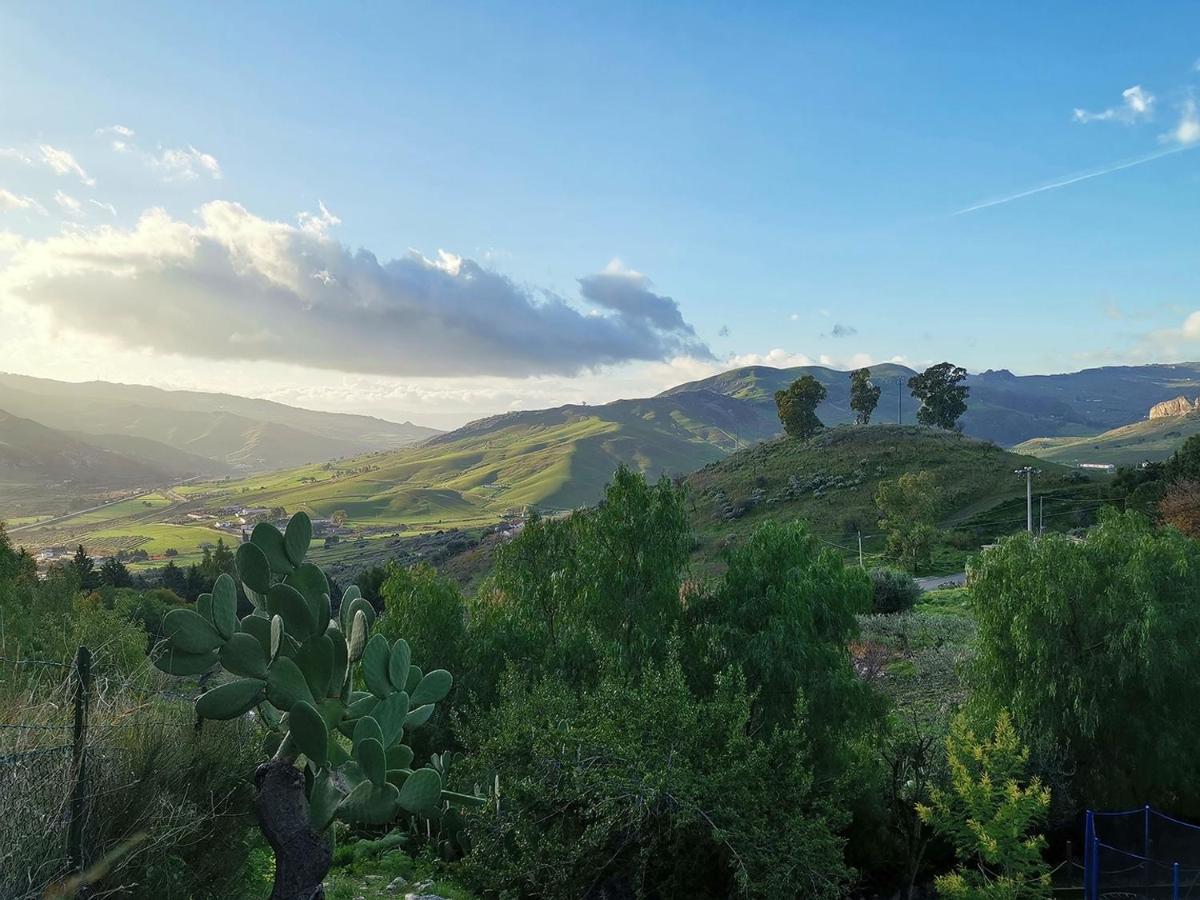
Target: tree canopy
1089, 643
943, 397
797, 407
864, 395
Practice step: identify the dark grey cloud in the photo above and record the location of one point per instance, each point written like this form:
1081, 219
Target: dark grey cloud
238, 287
839, 331
628, 294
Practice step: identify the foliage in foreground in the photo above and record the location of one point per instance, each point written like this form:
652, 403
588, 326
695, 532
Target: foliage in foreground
989, 813
1088, 644
635, 788
297, 666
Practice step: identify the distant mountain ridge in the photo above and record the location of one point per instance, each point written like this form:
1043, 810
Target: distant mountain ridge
31, 453
233, 433
1002, 407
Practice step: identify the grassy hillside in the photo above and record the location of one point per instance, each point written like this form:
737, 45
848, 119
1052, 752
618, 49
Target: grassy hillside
1149, 439
1002, 407
550, 459
237, 432
831, 481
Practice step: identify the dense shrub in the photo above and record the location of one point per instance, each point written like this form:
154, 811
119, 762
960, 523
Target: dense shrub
783, 614
1089, 645
893, 591
634, 789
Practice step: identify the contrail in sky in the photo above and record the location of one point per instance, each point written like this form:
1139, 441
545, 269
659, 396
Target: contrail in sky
1072, 179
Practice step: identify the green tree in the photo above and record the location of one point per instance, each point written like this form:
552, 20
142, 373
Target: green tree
85, 570
908, 506
797, 407
632, 788
427, 609
783, 614
864, 396
990, 813
1088, 644
943, 397
600, 582
114, 573
1184, 464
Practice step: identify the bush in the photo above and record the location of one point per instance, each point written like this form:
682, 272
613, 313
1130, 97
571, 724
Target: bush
893, 591
1089, 645
639, 790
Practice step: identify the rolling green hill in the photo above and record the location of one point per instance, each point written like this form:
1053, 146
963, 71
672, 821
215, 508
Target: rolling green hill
550, 459
1002, 407
831, 481
235, 432
1149, 439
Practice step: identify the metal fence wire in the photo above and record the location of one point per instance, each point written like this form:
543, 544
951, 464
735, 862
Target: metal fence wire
56, 770
1142, 853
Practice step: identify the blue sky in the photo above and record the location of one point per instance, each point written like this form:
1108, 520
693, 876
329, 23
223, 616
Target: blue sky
776, 171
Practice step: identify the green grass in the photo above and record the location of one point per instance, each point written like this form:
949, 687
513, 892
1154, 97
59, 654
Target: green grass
1150, 439
974, 480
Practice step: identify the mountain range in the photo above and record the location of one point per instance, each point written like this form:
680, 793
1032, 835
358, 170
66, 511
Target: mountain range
399, 473
189, 432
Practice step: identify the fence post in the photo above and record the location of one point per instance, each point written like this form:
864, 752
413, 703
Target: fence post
1146, 846
1094, 881
1175, 881
81, 698
1089, 834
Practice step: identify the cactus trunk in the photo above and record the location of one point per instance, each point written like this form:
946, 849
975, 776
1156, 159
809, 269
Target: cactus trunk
302, 856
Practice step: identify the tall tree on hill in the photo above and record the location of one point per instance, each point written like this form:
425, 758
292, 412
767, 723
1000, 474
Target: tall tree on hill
798, 407
864, 396
943, 398
85, 570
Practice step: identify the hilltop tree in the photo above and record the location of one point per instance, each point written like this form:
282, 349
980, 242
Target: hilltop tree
864, 396
943, 398
798, 407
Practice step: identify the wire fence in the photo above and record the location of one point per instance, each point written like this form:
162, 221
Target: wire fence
1143, 853
65, 756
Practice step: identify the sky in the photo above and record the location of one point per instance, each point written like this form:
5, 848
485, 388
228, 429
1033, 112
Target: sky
435, 212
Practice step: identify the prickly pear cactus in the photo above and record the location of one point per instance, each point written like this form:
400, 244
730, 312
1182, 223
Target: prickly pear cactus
295, 664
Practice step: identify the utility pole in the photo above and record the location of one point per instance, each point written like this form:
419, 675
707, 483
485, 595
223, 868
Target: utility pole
1041, 516
1028, 472
860, 556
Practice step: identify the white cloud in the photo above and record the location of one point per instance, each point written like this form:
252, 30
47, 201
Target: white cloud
171, 163
12, 202
1136, 105
185, 164
62, 162
68, 203
234, 286
19, 155
107, 207
1187, 130
318, 223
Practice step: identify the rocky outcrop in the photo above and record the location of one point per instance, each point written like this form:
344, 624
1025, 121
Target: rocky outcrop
1180, 406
